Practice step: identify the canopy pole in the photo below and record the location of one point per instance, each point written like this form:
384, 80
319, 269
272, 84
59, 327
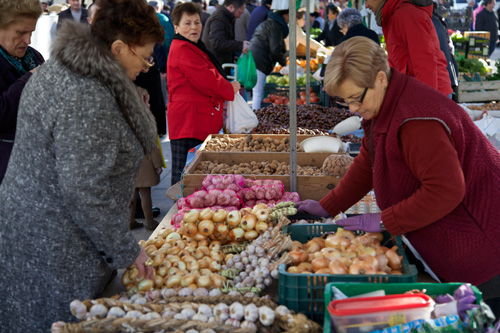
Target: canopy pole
308, 53
292, 22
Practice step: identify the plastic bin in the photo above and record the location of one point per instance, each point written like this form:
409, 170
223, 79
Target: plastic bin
304, 293
355, 289
366, 314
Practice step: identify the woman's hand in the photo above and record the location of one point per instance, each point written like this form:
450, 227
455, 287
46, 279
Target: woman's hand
145, 272
144, 95
35, 69
159, 170
312, 207
236, 86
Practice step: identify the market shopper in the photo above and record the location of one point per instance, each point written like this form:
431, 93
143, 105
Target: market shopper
268, 47
434, 173
72, 173
351, 24
411, 41
331, 35
487, 20
197, 87
301, 37
18, 61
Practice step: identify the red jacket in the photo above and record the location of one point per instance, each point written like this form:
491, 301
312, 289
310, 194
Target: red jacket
412, 44
197, 92
458, 240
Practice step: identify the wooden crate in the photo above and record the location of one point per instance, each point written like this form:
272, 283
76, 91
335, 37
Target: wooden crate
484, 91
308, 187
300, 138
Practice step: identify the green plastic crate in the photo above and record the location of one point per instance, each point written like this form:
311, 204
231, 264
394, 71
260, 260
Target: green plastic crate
355, 289
304, 293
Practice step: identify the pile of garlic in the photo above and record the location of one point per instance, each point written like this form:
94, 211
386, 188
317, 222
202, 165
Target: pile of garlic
237, 315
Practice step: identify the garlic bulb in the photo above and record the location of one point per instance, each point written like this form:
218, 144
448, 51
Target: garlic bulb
207, 330
282, 310
236, 311
200, 292
150, 316
180, 316
98, 311
251, 312
192, 331
200, 317
141, 301
233, 322
115, 312
166, 293
185, 292
133, 314
205, 310
189, 313
167, 314
78, 309
221, 311
215, 292
266, 315
248, 325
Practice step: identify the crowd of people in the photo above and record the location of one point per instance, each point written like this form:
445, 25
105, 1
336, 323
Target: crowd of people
79, 133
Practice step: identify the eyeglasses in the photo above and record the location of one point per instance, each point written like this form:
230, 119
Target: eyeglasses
148, 63
356, 103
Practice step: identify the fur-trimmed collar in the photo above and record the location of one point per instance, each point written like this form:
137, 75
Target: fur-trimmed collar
82, 53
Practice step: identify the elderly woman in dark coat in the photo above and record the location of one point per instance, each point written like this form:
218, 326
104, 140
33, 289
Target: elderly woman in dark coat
66, 192
17, 62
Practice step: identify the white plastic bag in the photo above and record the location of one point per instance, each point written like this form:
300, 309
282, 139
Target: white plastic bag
240, 117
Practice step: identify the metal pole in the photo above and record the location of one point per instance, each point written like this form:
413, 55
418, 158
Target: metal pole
308, 54
292, 22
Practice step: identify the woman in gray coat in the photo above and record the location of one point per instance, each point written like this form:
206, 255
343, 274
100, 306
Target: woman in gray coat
82, 132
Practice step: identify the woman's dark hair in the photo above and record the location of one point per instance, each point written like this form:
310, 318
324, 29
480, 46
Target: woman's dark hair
132, 21
333, 8
300, 14
186, 7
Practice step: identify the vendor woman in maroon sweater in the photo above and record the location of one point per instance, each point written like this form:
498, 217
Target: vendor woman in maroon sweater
436, 176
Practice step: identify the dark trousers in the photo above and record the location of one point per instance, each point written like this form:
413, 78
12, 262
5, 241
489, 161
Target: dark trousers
180, 148
491, 294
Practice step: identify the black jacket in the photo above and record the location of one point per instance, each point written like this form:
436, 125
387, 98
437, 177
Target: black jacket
268, 45
331, 37
66, 15
218, 35
361, 30
488, 21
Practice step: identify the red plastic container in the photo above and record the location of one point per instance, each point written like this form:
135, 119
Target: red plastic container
368, 314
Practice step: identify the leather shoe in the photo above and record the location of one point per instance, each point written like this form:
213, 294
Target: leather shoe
151, 226
156, 211
134, 225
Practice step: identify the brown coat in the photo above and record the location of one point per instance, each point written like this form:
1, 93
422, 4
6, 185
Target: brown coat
147, 174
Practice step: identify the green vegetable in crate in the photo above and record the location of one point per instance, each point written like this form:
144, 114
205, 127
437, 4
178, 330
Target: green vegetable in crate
457, 37
472, 66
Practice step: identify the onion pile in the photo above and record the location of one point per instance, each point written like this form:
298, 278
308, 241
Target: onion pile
227, 182
345, 253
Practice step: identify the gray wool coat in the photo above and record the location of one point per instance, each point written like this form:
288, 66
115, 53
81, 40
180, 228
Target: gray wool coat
64, 199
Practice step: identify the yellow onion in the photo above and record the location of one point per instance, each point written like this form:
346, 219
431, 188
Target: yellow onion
126, 278
312, 246
305, 267
197, 254
180, 265
214, 265
203, 242
175, 250
133, 273
150, 249
205, 250
221, 231
205, 272
145, 285
200, 238
188, 279
204, 281
245, 211
219, 215
258, 207
191, 216
193, 286
294, 269
162, 271
206, 214
158, 242
203, 262
298, 256
214, 246
206, 227
262, 214
261, 227
158, 258
158, 281
233, 218
163, 233
173, 281
320, 263
180, 244
172, 271
149, 242
251, 235
237, 234
219, 256
190, 229
248, 222
142, 243
173, 236
216, 280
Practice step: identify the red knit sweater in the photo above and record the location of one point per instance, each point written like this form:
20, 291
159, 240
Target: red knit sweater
436, 178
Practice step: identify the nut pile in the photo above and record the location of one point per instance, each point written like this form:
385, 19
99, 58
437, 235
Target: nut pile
249, 143
336, 165
311, 119
255, 168
492, 106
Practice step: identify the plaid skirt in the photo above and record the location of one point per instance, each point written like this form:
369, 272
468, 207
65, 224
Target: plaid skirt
180, 148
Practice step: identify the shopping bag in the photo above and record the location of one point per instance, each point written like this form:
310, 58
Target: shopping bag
247, 72
240, 117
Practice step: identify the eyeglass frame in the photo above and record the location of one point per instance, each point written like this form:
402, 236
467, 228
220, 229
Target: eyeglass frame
360, 102
149, 63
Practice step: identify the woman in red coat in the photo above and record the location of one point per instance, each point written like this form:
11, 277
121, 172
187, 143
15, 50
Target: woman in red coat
197, 87
435, 175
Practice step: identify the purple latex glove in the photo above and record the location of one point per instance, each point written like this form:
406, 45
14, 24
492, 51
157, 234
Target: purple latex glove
465, 298
365, 222
312, 207
440, 299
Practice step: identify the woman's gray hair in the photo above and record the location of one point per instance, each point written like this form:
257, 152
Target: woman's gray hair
12, 10
349, 17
